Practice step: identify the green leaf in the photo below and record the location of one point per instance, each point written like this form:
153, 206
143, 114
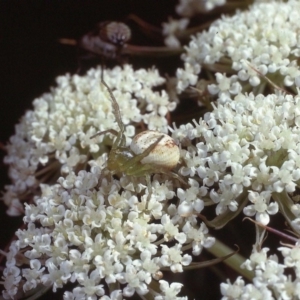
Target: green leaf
221, 220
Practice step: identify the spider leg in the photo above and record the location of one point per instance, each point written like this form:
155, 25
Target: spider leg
148, 169
173, 175
115, 106
121, 140
138, 170
132, 163
149, 186
112, 131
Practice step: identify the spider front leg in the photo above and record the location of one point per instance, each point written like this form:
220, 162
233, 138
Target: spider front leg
112, 131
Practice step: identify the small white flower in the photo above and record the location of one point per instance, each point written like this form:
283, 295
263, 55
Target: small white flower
257, 259
199, 237
187, 76
261, 206
225, 87
171, 28
58, 275
169, 292
189, 201
291, 256
135, 279
33, 274
90, 286
11, 281
232, 291
172, 257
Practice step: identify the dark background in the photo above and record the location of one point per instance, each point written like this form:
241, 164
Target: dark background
31, 58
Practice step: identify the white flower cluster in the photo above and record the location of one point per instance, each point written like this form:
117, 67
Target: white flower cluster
189, 8
55, 135
264, 37
103, 235
171, 28
270, 282
247, 149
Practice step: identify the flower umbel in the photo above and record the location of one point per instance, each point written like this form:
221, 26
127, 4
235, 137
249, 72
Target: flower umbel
101, 233
239, 152
264, 37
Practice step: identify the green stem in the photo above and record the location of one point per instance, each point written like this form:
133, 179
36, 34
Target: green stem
219, 250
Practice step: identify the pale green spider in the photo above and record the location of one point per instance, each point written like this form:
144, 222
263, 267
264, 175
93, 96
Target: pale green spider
150, 151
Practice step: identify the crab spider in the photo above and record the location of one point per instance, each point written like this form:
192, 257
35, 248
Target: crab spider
150, 151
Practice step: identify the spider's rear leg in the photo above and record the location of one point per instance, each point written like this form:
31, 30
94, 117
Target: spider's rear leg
130, 164
174, 175
149, 186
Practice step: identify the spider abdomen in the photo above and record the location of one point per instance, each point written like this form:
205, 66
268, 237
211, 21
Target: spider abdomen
165, 154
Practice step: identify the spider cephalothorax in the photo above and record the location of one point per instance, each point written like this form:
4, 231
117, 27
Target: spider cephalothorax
150, 151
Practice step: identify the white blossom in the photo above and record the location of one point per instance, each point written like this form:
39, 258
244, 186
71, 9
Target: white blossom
169, 292
225, 87
172, 257
12, 279
261, 206
171, 28
232, 291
